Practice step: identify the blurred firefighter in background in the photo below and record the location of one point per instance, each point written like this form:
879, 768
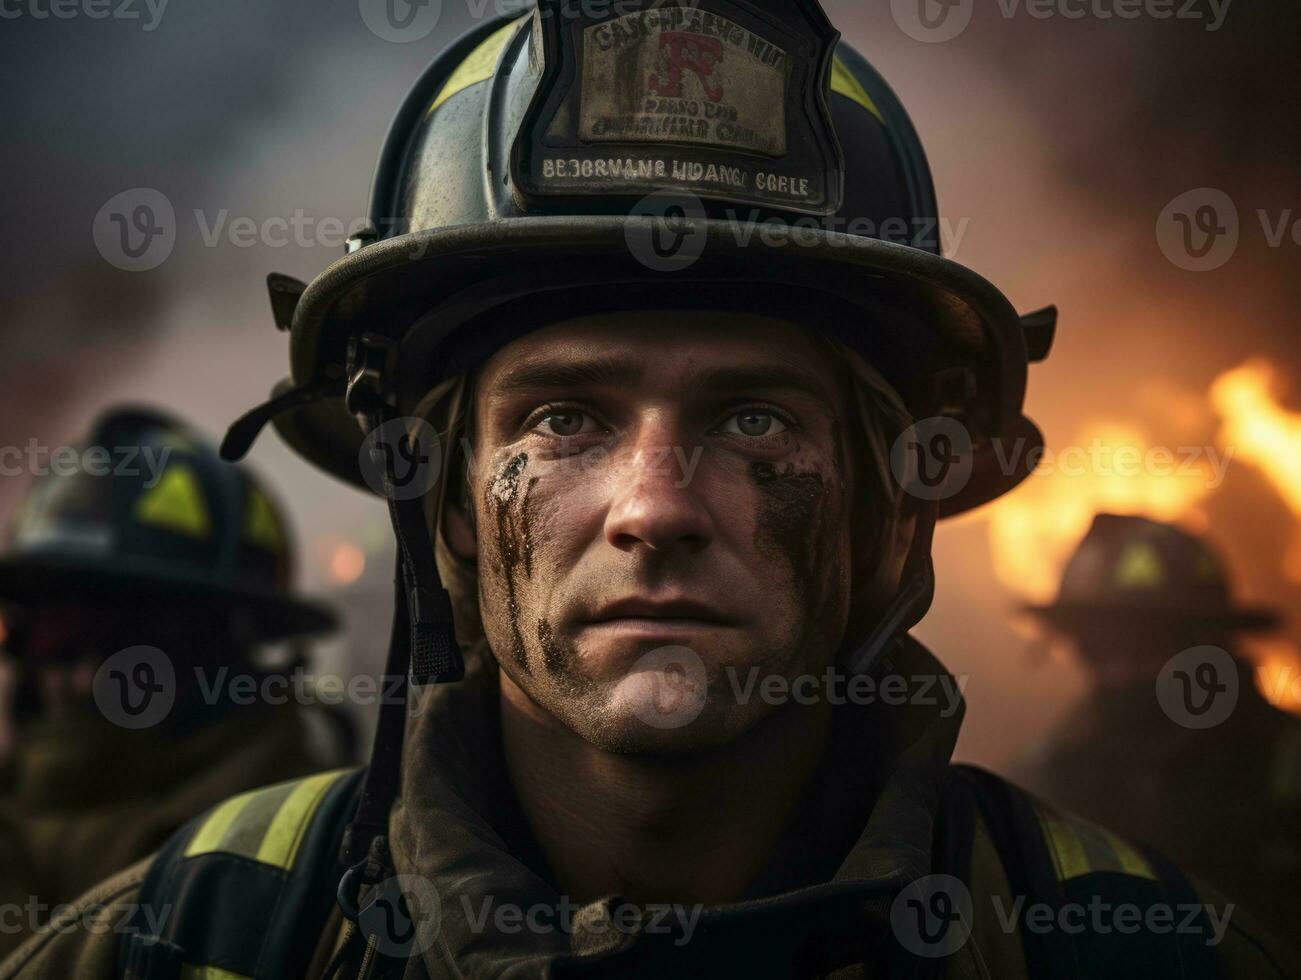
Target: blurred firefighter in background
149, 555
1174, 746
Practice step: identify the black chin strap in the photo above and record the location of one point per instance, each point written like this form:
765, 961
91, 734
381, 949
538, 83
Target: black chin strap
916, 593
422, 645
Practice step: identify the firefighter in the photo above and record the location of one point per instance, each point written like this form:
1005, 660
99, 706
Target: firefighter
140, 552
1174, 745
653, 355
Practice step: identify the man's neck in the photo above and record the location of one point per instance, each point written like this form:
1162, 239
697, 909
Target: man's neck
653, 830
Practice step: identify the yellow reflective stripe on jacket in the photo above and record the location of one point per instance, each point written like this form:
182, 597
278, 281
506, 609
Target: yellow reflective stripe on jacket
266, 825
210, 973
280, 845
1079, 848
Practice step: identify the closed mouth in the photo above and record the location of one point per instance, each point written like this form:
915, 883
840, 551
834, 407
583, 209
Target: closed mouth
667, 613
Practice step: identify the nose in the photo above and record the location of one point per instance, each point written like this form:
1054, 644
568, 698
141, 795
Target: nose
655, 503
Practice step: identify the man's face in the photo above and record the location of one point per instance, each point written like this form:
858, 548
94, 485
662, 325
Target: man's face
652, 482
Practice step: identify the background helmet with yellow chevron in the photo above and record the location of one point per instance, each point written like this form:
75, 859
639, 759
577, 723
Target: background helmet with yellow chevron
587, 157
150, 512
1130, 570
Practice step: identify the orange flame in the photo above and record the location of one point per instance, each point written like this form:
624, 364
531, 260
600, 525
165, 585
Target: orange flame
1034, 531
1265, 434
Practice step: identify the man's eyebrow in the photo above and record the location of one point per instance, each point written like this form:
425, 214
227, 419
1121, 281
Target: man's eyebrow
600, 371
746, 377
620, 372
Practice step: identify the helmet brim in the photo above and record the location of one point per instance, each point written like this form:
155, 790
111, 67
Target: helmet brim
1071, 617
934, 314
29, 580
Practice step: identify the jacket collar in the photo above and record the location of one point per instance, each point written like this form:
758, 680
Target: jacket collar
869, 807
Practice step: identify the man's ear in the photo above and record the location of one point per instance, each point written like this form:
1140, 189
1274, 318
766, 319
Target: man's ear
459, 533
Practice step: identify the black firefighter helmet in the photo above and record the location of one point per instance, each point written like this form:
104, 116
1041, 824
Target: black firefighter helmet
1132, 570
147, 511
540, 155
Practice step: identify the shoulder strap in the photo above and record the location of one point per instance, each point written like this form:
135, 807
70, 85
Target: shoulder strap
1104, 907
243, 891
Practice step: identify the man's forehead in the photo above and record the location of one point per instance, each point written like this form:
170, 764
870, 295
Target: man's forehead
708, 348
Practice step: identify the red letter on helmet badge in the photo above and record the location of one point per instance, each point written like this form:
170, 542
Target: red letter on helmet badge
682, 52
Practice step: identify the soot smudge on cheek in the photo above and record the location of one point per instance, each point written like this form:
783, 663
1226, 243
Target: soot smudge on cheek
511, 513
553, 658
792, 523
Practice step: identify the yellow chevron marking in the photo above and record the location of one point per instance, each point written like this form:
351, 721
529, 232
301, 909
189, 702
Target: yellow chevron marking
1140, 567
261, 526
844, 82
176, 504
480, 66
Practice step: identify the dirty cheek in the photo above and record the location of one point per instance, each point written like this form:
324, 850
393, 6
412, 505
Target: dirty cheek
800, 522
507, 505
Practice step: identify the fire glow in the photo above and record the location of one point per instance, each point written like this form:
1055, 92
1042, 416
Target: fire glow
1266, 436
1034, 531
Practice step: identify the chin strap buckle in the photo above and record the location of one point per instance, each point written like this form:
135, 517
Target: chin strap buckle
371, 360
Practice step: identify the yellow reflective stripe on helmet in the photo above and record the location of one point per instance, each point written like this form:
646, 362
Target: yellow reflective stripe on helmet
844, 82
1140, 567
261, 525
176, 504
480, 66
266, 825
1080, 848
210, 973
280, 845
